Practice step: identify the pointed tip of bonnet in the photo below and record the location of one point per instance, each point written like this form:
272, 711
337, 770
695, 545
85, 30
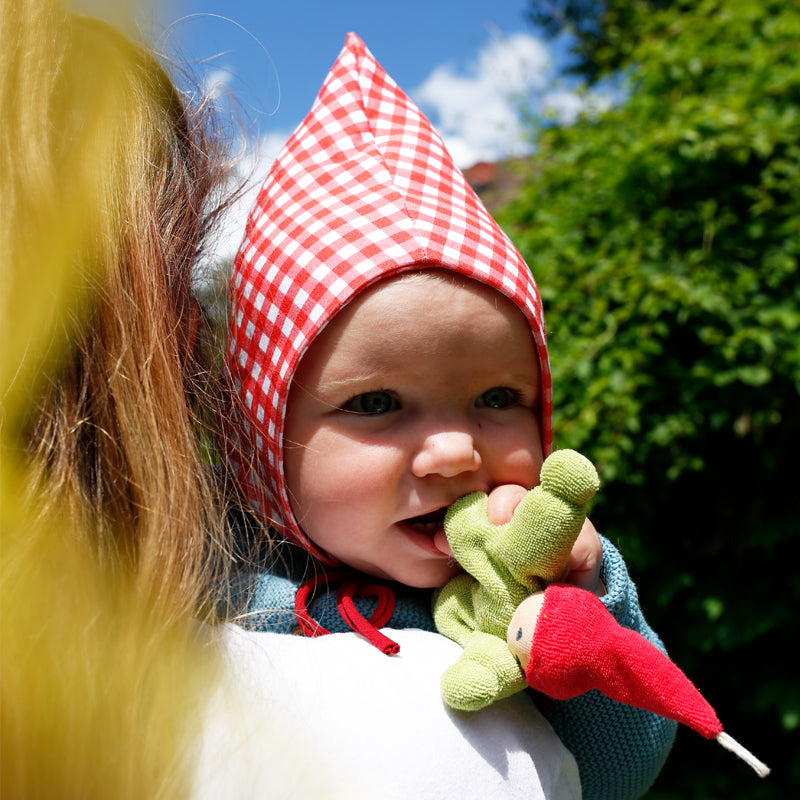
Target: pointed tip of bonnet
354, 42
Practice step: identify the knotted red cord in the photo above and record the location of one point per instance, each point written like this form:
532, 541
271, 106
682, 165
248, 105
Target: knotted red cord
350, 586
369, 630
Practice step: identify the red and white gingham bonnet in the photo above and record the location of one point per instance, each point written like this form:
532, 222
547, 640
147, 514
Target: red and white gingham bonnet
363, 189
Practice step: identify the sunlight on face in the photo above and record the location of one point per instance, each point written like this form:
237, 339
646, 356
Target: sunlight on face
420, 391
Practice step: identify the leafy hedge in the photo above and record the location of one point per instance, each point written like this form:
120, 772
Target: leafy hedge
665, 238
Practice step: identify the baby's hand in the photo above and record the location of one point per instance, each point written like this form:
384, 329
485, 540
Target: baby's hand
503, 502
583, 566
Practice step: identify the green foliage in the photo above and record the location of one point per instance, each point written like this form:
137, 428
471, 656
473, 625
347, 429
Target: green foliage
603, 32
665, 238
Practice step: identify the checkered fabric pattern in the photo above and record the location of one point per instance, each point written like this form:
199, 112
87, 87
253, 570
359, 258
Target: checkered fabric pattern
363, 189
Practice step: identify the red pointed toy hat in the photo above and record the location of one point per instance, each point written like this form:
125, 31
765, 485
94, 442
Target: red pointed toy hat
363, 189
577, 646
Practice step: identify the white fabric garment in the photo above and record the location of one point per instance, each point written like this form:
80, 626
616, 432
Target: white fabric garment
334, 718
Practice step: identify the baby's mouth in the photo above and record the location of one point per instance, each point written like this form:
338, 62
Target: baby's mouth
432, 525
428, 523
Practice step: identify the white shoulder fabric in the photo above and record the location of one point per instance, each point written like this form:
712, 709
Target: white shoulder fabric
334, 718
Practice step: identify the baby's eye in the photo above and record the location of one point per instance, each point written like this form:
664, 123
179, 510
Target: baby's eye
380, 402
498, 397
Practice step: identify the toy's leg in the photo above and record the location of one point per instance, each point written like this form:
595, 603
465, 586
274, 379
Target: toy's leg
486, 671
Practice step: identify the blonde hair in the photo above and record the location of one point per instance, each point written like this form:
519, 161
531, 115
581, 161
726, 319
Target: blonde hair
116, 415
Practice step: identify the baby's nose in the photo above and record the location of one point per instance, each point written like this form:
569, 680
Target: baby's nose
446, 453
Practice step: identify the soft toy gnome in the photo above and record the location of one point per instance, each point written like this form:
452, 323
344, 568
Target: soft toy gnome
563, 639
363, 190
505, 564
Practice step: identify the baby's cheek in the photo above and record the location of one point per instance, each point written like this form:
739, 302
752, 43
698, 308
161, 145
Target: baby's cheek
522, 466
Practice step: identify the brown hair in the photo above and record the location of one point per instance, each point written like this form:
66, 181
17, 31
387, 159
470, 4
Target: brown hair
116, 424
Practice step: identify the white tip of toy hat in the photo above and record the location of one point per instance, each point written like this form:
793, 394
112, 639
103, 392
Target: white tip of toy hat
729, 743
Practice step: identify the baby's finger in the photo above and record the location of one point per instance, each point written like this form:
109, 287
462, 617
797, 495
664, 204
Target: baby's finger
583, 565
503, 502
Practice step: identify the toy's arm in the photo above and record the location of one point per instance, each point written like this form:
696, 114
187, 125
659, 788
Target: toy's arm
472, 538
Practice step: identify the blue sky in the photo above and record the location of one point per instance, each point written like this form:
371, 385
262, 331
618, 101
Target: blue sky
469, 64
288, 46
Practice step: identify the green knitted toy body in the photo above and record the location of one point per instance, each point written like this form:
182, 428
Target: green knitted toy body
505, 564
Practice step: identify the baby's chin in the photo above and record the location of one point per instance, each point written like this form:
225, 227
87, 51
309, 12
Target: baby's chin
428, 576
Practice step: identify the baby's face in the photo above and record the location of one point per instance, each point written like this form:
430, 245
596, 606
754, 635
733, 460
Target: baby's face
419, 392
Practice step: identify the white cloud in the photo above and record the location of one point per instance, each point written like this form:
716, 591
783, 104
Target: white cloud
565, 105
562, 105
478, 110
217, 82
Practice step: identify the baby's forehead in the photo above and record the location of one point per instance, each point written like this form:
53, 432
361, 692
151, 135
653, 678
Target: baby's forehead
440, 286
425, 275
428, 292
423, 314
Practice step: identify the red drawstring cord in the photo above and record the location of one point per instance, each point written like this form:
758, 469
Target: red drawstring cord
350, 586
369, 630
307, 624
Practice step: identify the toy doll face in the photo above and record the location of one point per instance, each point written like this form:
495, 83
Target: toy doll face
421, 390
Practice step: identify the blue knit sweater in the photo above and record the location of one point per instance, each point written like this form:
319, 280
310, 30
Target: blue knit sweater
619, 749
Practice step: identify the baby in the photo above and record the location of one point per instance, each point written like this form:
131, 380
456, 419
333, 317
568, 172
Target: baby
389, 353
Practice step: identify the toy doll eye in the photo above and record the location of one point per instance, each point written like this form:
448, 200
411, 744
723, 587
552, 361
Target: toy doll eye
497, 397
380, 402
